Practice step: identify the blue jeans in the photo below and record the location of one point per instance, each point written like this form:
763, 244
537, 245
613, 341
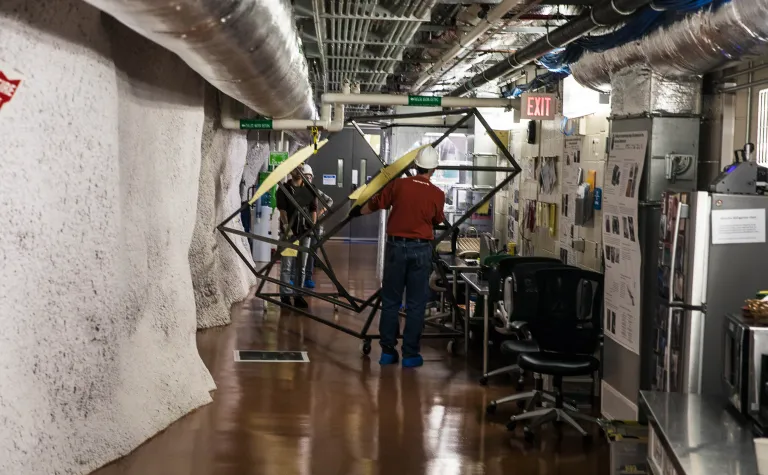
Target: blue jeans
290, 271
310, 269
407, 266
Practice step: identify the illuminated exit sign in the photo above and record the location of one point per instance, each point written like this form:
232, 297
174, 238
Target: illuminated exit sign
538, 106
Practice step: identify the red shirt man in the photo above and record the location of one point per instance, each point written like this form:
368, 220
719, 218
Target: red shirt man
416, 206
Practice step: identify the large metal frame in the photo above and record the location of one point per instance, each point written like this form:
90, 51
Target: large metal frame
342, 298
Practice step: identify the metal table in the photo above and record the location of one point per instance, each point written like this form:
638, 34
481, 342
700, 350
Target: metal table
456, 265
699, 435
480, 288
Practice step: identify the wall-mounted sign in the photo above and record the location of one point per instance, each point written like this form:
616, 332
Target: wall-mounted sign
329, 180
424, 101
536, 106
276, 158
258, 124
10, 81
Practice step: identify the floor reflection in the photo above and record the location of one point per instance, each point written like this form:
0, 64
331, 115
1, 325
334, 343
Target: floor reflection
343, 414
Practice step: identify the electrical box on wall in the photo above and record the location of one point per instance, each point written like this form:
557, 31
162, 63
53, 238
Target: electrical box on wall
531, 137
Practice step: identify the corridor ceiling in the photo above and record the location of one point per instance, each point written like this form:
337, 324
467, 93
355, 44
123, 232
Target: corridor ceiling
385, 45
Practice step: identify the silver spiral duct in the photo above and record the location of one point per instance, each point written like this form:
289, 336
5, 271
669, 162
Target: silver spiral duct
248, 49
695, 45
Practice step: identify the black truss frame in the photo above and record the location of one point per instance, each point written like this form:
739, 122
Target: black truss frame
342, 298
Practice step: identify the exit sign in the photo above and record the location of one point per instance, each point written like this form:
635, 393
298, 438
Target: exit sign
538, 106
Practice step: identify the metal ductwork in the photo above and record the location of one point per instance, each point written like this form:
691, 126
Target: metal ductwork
606, 13
694, 45
248, 49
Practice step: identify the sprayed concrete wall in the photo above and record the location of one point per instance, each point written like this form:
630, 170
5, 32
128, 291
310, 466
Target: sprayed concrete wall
219, 276
101, 161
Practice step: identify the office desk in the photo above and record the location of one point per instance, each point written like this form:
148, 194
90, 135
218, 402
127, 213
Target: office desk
480, 288
455, 265
696, 435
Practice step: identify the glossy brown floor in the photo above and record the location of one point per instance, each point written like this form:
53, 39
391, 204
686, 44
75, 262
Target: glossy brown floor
341, 413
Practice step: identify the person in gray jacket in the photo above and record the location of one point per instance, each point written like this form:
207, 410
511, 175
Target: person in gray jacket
309, 281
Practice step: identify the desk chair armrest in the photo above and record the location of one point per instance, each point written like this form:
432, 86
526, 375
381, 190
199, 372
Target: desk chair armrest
521, 327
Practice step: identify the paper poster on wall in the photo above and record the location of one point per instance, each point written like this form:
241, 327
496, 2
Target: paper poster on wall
738, 226
354, 177
329, 180
621, 247
568, 189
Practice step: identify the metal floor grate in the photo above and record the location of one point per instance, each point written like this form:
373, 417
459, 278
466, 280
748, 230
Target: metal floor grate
255, 356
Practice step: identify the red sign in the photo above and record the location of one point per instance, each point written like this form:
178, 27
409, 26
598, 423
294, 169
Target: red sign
538, 106
8, 88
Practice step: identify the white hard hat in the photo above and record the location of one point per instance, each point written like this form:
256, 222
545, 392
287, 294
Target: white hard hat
427, 158
307, 170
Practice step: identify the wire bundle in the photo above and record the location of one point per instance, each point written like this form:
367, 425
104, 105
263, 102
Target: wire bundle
545, 79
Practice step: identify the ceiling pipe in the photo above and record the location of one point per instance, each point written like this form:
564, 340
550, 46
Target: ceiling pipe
469, 39
337, 101
248, 49
697, 44
318, 9
607, 13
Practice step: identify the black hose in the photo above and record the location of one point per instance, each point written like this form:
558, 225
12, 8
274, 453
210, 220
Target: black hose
606, 13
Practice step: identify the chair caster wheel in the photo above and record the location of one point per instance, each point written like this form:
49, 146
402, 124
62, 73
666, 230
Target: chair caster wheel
491, 408
484, 381
519, 386
365, 348
511, 426
521, 404
528, 435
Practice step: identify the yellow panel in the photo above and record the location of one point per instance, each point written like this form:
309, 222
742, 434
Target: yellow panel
485, 208
355, 194
387, 174
288, 252
285, 168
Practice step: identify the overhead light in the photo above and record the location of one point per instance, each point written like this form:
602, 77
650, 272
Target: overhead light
438, 134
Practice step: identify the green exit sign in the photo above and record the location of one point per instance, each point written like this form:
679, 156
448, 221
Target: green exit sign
263, 124
424, 101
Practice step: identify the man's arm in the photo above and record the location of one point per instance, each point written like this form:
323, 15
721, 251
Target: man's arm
440, 211
382, 200
366, 209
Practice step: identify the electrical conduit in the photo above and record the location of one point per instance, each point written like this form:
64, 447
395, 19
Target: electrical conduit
607, 13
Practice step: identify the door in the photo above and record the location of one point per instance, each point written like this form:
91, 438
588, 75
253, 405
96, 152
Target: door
364, 165
339, 167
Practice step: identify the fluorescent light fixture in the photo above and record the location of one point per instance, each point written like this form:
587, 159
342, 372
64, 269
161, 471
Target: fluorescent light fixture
438, 134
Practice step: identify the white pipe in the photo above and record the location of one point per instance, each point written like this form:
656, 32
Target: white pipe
496, 14
399, 100
326, 123
337, 101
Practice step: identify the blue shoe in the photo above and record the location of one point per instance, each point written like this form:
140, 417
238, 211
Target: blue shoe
388, 358
413, 361
309, 283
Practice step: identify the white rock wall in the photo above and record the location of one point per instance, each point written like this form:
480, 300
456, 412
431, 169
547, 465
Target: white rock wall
219, 276
100, 160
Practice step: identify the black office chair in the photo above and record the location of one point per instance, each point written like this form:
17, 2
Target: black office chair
568, 332
512, 291
523, 308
